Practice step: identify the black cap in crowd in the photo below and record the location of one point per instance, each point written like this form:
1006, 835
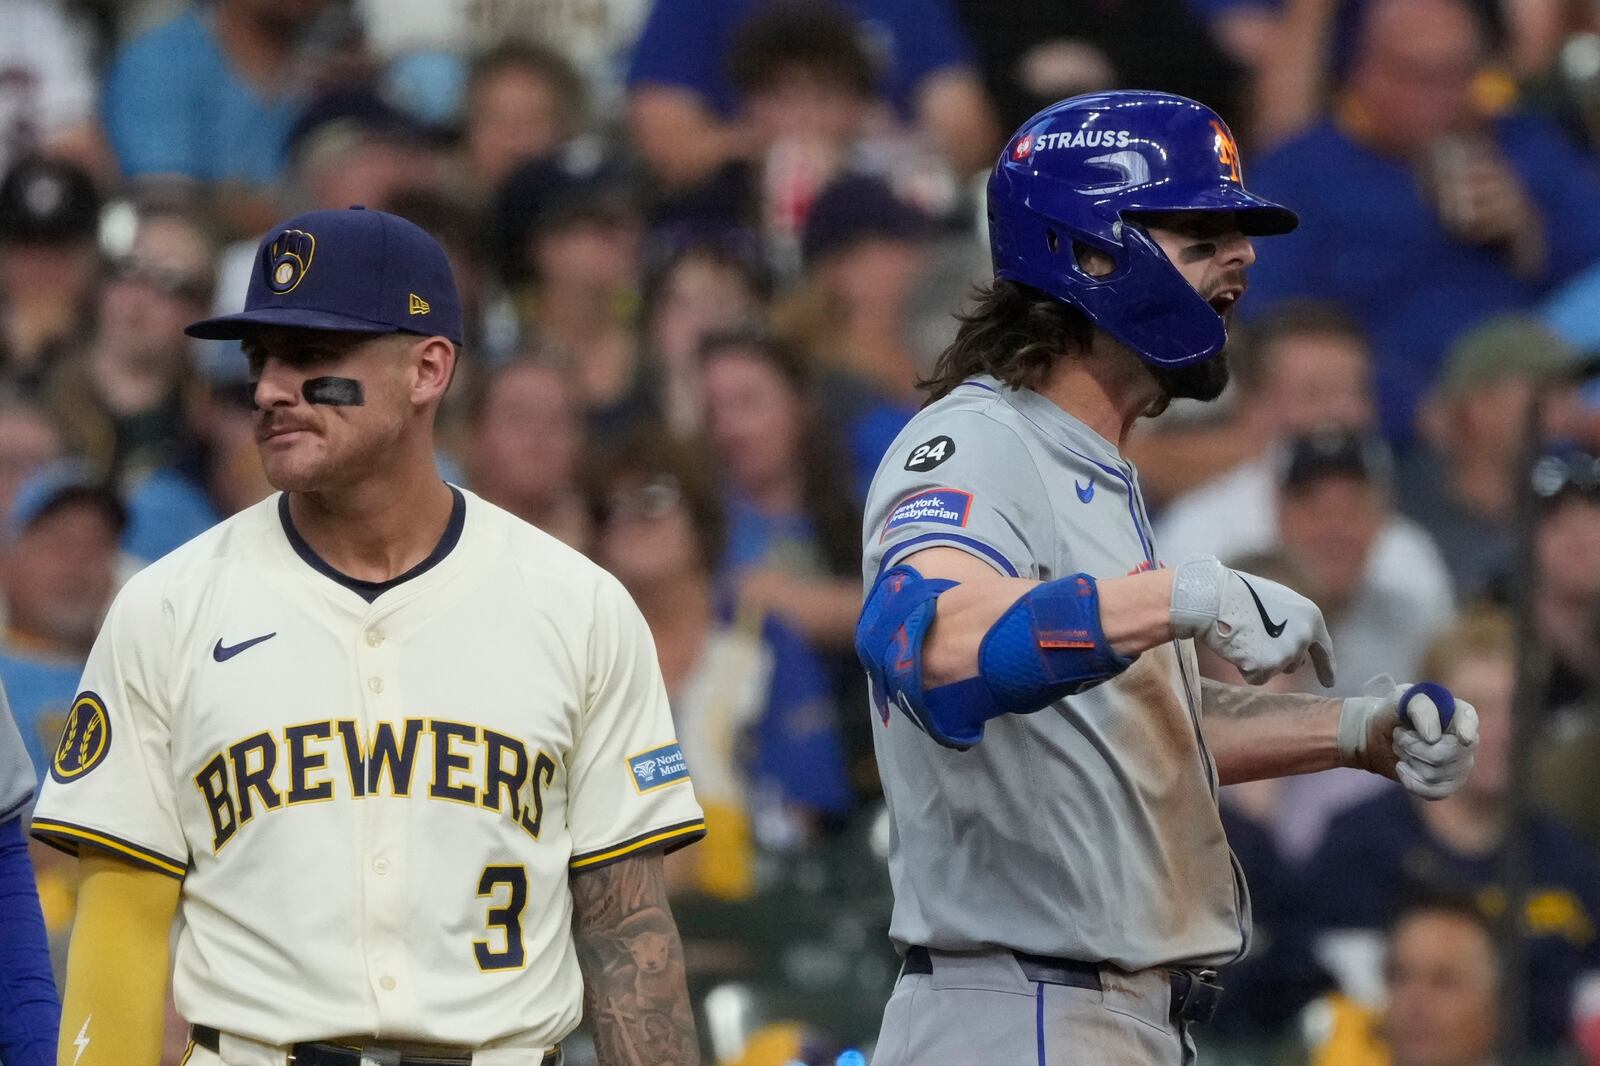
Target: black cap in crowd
1331, 452
48, 201
856, 208
551, 192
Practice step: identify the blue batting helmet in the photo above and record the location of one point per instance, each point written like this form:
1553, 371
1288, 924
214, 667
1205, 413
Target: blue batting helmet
1074, 170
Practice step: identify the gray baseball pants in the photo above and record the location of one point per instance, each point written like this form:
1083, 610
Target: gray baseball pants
977, 1009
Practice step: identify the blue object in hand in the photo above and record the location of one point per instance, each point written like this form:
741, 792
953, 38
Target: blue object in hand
1441, 697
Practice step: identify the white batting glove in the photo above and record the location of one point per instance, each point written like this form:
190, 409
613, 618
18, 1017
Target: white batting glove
1430, 760
1260, 626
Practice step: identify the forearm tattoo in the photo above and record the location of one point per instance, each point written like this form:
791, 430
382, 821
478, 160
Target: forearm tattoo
635, 993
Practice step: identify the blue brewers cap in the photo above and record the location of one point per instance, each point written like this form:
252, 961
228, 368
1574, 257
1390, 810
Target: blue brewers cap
358, 270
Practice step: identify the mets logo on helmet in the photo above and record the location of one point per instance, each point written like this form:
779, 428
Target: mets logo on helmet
1228, 152
288, 259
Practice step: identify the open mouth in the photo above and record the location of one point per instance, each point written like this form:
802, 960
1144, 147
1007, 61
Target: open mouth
1223, 301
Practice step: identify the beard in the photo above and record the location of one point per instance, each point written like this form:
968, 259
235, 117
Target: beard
1201, 381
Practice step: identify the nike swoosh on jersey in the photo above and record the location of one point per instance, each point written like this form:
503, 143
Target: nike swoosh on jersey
1085, 493
223, 654
1274, 629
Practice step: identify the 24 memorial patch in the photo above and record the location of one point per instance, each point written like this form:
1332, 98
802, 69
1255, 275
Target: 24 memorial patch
930, 454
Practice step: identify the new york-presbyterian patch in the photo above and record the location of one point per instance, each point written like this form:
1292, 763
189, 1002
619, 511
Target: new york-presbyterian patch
948, 507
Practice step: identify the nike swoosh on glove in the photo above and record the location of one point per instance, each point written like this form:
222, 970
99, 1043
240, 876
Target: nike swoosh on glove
1431, 760
1260, 626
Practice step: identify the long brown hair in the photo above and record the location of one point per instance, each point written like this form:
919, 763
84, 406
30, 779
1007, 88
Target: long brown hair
1013, 332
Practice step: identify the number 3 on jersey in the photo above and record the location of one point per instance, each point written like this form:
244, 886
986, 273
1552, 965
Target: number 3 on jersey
506, 919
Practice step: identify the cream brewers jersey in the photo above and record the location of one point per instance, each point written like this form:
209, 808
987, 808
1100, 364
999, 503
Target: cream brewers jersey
374, 793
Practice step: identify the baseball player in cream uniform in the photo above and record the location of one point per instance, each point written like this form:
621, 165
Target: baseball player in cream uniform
402, 763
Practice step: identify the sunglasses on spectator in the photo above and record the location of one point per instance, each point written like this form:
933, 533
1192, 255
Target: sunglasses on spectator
1555, 476
168, 282
652, 501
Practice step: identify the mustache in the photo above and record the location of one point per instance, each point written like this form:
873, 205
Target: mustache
269, 423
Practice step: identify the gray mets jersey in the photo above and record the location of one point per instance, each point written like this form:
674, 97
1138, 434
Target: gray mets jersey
374, 793
1090, 829
16, 770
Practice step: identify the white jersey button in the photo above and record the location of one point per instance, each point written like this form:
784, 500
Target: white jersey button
380, 866
386, 983
375, 684
374, 638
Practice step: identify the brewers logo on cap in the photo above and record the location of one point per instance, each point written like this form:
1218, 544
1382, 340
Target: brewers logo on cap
85, 738
288, 259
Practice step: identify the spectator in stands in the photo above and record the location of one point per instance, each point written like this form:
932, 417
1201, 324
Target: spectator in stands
350, 146
753, 704
793, 525
211, 96
1334, 501
524, 443
523, 101
221, 476
29, 441
684, 105
422, 41
1304, 366
1412, 180
1393, 849
866, 250
1035, 52
1461, 487
49, 262
701, 281
1443, 975
1566, 616
58, 573
121, 400
1567, 554
48, 94
572, 235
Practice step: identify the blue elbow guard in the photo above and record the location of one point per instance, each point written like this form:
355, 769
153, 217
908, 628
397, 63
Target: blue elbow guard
1047, 645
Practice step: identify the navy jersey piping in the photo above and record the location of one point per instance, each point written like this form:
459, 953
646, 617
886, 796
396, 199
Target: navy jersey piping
898, 551
371, 590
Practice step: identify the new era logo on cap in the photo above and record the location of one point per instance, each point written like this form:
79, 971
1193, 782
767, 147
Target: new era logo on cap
353, 270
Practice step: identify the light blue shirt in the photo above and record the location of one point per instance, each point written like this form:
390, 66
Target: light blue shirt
175, 104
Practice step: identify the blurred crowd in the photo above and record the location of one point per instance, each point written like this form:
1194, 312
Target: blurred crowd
706, 248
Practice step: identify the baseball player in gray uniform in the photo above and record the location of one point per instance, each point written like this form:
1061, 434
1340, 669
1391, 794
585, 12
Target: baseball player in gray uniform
1050, 755
29, 1010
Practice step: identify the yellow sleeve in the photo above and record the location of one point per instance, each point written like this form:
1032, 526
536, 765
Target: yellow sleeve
114, 1005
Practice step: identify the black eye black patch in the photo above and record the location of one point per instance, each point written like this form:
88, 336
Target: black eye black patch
335, 392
